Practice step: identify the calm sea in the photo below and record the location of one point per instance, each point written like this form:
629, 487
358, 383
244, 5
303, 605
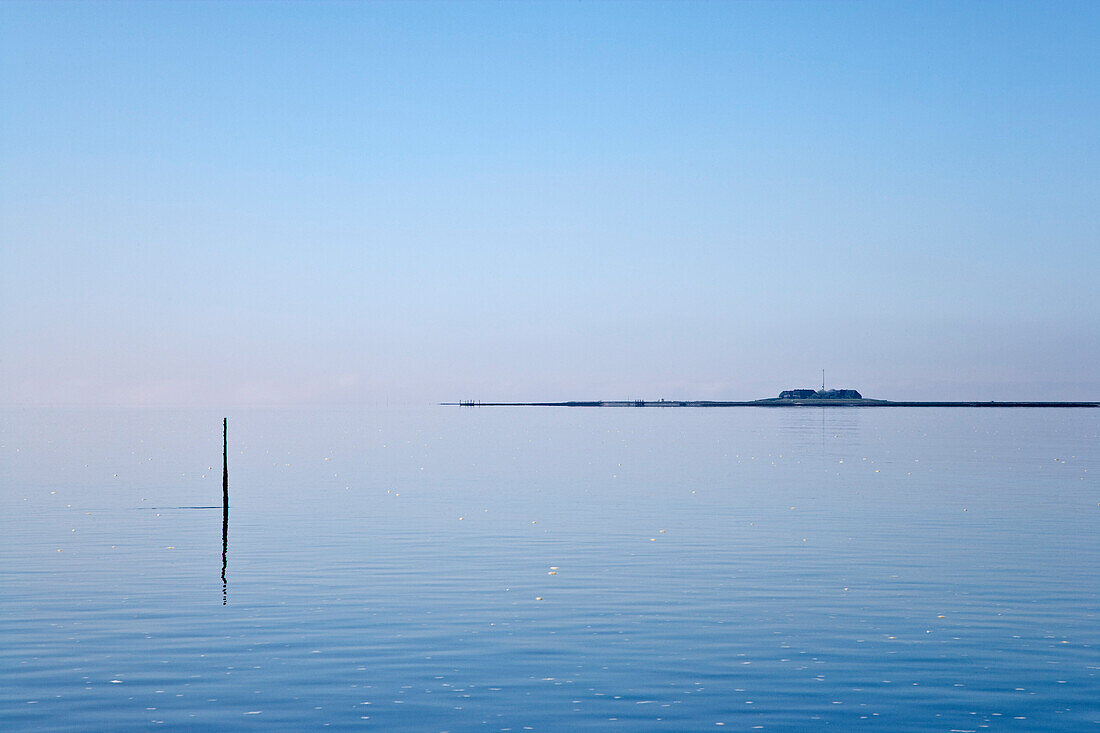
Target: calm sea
551, 569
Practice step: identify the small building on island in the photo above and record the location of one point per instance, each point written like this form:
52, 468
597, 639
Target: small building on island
820, 394
797, 394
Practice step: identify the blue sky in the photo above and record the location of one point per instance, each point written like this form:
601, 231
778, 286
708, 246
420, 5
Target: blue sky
350, 203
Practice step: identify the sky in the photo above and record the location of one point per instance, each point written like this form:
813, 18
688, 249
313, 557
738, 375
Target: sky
230, 204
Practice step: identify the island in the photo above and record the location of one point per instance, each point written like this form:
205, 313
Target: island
787, 398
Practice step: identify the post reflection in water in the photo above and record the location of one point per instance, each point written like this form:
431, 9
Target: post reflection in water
225, 506
225, 548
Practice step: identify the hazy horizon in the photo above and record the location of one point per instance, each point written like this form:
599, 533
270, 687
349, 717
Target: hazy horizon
229, 204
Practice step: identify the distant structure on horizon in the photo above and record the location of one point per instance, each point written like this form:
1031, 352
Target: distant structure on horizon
787, 398
820, 394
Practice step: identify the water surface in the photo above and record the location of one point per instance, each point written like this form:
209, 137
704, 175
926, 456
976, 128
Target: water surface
551, 569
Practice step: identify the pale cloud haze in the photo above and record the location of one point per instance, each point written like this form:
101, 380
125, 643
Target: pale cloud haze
333, 203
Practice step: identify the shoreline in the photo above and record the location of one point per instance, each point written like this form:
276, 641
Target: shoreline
766, 403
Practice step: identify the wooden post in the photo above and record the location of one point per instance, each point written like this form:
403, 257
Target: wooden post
225, 463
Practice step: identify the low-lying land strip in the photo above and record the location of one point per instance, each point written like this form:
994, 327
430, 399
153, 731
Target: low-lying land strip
773, 402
